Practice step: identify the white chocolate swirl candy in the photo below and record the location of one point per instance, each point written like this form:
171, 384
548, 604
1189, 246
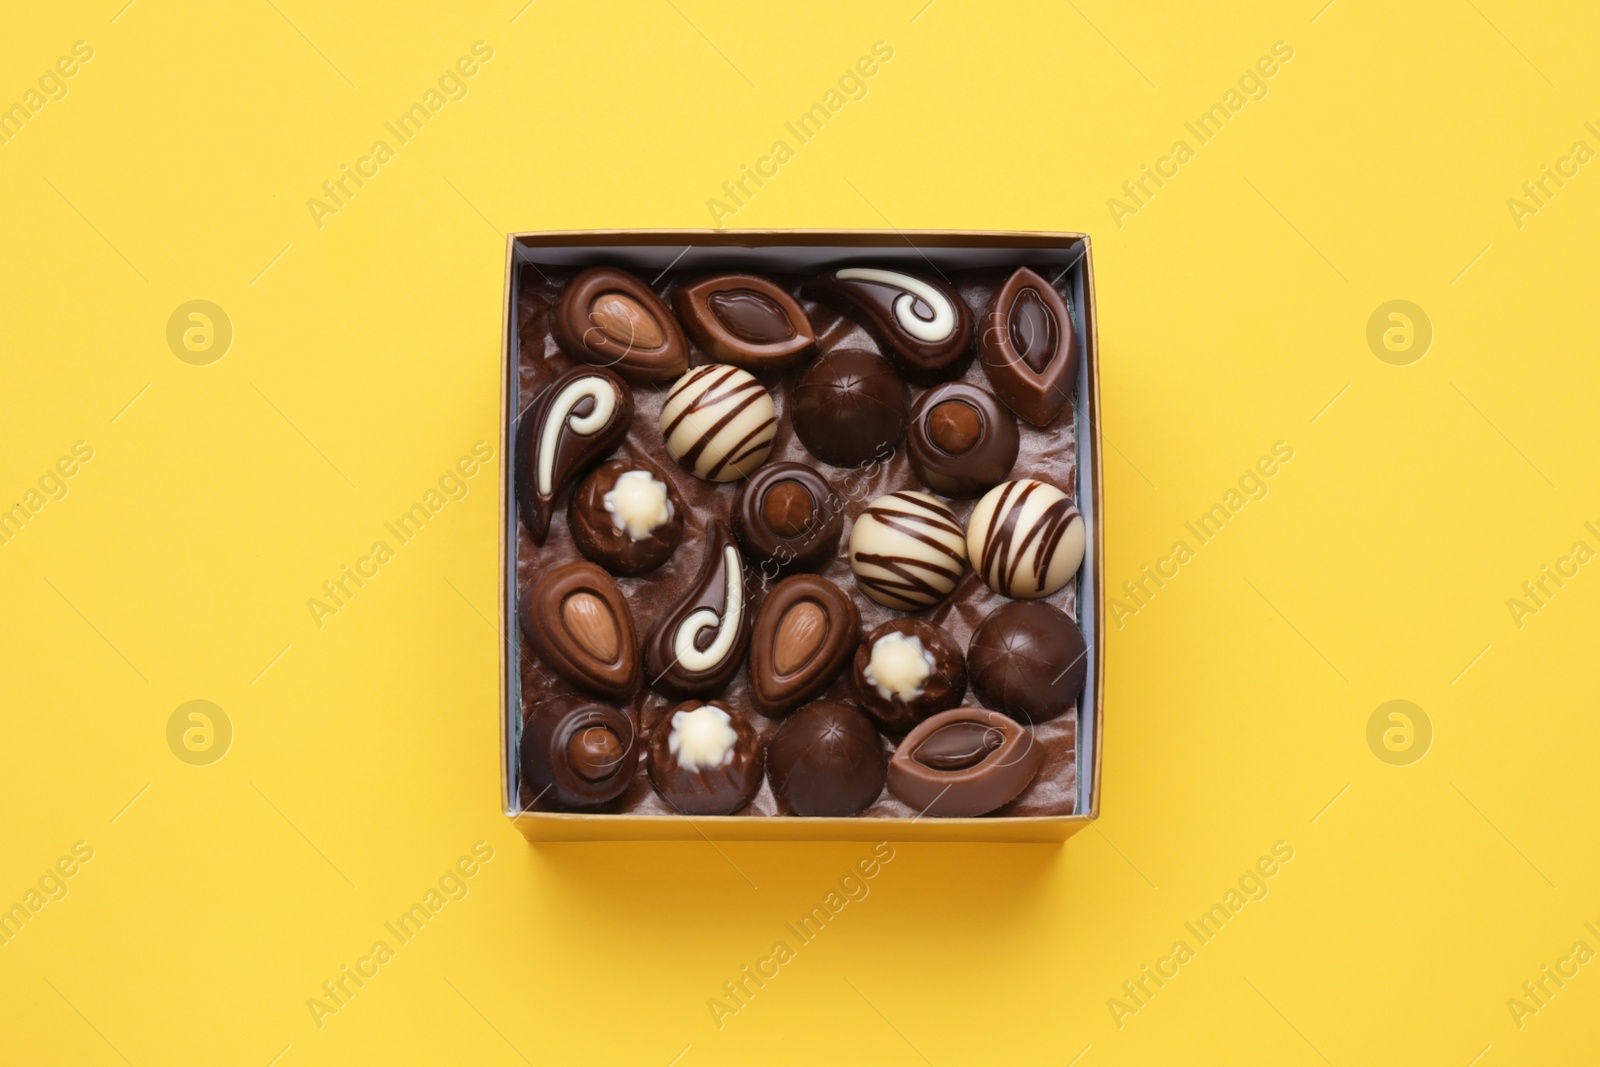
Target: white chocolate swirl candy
560, 419
1025, 539
719, 422
931, 331
907, 550
727, 623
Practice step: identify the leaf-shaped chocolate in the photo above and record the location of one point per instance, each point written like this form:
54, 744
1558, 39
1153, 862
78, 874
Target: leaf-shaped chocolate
1029, 349
964, 762
745, 320
922, 325
609, 318
696, 647
580, 626
576, 421
805, 632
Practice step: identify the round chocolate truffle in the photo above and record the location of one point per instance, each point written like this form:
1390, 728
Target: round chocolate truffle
849, 408
826, 760
1028, 660
705, 759
961, 440
1025, 539
907, 550
719, 423
906, 670
626, 517
576, 753
786, 517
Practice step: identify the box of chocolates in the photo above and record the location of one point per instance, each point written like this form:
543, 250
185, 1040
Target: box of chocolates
802, 536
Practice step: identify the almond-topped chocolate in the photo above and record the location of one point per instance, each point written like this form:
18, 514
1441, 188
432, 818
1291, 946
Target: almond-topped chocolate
609, 318
580, 626
745, 320
804, 634
964, 762
696, 646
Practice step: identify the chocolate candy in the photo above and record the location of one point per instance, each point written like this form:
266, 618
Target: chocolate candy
579, 625
577, 420
612, 319
964, 763
698, 644
1025, 539
961, 440
578, 754
625, 517
705, 759
849, 408
745, 320
907, 550
787, 517
922, 325
826, 760
906, 670
804, 634
1028, 660
1028, 347
718, 422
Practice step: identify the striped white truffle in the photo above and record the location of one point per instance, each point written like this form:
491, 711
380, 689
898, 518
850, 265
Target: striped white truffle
907, 550
719, 422
1025, 539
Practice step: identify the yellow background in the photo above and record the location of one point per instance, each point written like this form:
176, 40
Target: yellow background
1233, 313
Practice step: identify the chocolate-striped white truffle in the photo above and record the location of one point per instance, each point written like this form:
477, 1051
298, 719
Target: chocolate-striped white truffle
907, 551
1025, 539
719, 423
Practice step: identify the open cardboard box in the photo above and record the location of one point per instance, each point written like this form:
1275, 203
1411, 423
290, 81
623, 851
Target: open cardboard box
650, 252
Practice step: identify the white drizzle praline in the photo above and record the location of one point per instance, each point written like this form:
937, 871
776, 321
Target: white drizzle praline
907, 550
638, 504
1025, 539
702, 738
719, 423
929, 331
898, 666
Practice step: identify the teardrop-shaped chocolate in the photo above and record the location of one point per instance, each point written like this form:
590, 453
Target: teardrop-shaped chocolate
581, 627
745, 320
1029, 349
920, 323
964, 762
609, 318
573, 423
695, 648
805, 633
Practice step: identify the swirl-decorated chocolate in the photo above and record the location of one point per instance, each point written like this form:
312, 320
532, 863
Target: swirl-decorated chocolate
575, 422
922, 325
718, 422
907, 550
697, 646
1025, 539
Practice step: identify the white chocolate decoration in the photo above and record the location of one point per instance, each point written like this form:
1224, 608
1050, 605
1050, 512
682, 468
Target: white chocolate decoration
1025, 539
605, 403
638, 504
933, 330
907, 550
702, 738
899, 665
719, 422
727, 624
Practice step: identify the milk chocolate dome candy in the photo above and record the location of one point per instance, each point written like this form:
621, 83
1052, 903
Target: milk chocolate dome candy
826, 760
961, 441
849, 408
705, 759
920, 323
719, 423
1028, 348
1025, 539
907, 550
574, 422
609, 318
787, 517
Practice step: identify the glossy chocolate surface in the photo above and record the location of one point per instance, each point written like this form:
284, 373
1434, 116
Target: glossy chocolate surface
963, 763
600, 536
804, 634
745, 320
826, 759
691, 787
577, 753
1025, 538
1029, 660
577, 420
961, 440
697, 644
609, 318
907, 550
787, 517
1028, 348
719, 423
897, 709
920, 323
849, 408
581, 627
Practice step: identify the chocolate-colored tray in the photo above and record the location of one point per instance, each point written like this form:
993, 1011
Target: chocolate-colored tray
1065, 796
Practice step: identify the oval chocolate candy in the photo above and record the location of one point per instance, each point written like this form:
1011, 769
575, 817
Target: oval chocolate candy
576, 753
963, 763
804, 634
575, 421
580, 626
1028, 348
696, 647
609, 318
744, 320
